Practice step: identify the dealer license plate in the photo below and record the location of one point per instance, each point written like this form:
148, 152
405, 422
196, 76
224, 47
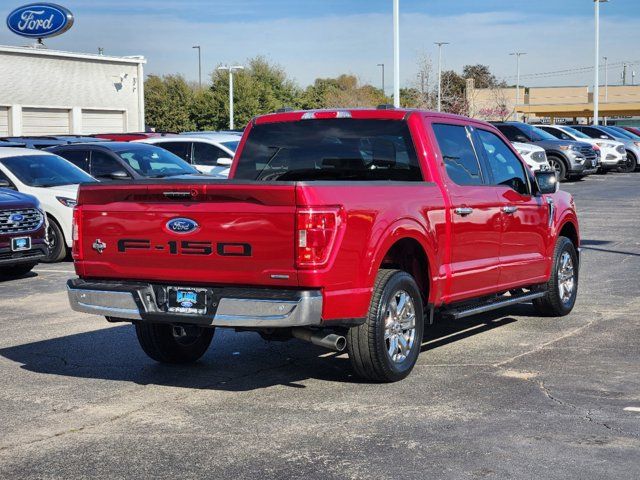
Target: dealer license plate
187, 300
20, 244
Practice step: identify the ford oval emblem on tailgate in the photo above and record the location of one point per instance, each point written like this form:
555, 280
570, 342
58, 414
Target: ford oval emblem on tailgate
182, 225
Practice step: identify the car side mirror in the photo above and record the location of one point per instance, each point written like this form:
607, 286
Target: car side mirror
224, 162
522, 139
5, 183
604, 137
119, 175
547, 182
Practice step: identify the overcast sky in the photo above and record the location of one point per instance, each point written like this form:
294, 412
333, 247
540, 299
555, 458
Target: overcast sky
321, 38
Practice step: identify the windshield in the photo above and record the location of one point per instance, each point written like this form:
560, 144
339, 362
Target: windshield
333, 149
155, 162
233, 146
45, 170
575, 133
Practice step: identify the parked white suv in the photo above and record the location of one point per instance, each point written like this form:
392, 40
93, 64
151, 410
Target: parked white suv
210, 153
535, 156
54, 182
612, 153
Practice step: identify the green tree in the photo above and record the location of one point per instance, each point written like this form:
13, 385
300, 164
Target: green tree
168, 101
342, 91
481, 75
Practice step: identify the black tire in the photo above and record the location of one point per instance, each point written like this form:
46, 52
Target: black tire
366, 343
57, 245
16, 271
159, 342
558, 165
553, 304
631, 163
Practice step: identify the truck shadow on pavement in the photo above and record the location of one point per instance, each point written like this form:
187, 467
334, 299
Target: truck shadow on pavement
593, 244
234, 362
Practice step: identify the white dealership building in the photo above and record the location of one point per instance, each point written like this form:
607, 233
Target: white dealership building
48, 92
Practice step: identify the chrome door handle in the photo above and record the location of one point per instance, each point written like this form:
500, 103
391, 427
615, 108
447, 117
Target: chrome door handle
463, 211
509, 209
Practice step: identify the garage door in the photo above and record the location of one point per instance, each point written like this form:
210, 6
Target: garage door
4, 121
102, 121
45, 121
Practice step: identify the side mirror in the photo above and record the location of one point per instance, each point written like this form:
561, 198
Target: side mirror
119, 175
5, 183
547, 182
224, 162
604, 137
522, 139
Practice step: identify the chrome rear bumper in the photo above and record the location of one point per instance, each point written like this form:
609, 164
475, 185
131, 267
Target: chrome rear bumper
229, 307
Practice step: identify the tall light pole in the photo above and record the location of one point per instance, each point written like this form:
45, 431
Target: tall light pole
396, 53
440, 44
382, 65
606, 84
517, 55
231, 70
199, 64
596, 80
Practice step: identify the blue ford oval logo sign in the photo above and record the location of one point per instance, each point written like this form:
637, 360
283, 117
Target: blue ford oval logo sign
181, 225
16, 218
40, 20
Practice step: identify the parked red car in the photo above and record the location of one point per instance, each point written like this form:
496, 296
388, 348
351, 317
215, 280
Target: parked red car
343, 228
633, 130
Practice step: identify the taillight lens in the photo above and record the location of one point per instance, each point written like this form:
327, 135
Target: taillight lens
76, 234
316, 233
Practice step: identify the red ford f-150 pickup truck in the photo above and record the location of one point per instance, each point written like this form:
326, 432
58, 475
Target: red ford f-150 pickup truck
345, 228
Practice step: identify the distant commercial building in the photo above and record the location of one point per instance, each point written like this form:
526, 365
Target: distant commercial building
619, 103
48, 92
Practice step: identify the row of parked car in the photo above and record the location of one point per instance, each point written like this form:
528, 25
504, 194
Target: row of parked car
49, 169
39, 179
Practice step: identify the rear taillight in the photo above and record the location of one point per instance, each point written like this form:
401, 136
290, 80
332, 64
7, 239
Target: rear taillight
316, 233
76, 233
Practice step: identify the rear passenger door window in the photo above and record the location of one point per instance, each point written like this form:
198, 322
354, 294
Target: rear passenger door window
207, 154
505, 167
80, 158
458, 154
181, 149
103, 165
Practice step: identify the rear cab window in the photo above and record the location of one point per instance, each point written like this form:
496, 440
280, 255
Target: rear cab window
330, 149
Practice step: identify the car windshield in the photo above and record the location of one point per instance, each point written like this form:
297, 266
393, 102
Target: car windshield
155, 162
331, 149
233, 146
575, 133
45, 170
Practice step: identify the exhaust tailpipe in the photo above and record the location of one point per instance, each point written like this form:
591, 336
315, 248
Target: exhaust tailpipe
332, 341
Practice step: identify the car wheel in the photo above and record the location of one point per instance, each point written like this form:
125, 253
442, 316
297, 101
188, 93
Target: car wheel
558, 165
173, 343
630, 164
57, 246
386, 347
16, 271
562, 287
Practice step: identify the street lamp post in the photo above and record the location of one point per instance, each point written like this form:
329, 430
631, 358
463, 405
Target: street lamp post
382, 65
517, 55
606, 84
596, 80
396, 53
199, 64
231, 70
440, 44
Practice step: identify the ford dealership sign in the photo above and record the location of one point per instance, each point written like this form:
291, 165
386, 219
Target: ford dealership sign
40, 20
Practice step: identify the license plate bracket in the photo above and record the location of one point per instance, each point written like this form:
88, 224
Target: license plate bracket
20, 244
185, 300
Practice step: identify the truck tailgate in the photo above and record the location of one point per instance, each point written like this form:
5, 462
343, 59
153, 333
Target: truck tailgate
226, 233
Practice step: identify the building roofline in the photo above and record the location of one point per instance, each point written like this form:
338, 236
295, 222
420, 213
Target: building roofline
44, 52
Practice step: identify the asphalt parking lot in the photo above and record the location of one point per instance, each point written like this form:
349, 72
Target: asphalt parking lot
505, 395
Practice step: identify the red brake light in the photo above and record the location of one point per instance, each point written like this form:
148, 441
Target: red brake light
316, 233
76, 233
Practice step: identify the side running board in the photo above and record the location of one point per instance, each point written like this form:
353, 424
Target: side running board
493, 304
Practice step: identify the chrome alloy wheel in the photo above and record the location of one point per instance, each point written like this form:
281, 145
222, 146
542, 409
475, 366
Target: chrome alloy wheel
400, 326
566, 277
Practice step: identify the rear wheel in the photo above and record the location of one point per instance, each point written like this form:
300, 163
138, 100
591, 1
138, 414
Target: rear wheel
558, 165
173, 344
630, 163
562, 287
17, 270
386, 347
57, 246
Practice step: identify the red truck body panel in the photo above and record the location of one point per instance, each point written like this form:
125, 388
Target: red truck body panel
468, 257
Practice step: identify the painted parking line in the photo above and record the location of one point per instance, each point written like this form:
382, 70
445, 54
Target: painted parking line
632, 409
55, 271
